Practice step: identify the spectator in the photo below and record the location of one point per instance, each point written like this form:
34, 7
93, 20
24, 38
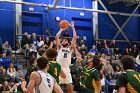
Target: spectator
66, 34
108, 84
4, 76
93, 50
5, 61
47, 32
135, 50
117, 71
117, 51
15, 61
11, 71
31, 68
126, 52
13, 86
103, 59
83, 50
99, 46
26, 41
32, 50
112, 46
108, 69
47, 42
41, 51
105, 48
5, 87
41, 41
7, 48
34, 40
82, 42
20, 73
130, 52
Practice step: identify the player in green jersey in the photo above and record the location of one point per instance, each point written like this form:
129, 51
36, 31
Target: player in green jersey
129, 80
55, 69
91, 74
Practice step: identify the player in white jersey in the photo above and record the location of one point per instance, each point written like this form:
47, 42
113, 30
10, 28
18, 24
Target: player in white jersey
41, 81
64, 56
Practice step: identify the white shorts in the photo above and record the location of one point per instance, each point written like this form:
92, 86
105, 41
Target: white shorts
68, 79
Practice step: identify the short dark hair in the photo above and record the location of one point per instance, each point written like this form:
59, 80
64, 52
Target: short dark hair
42, 62
127, 62
96, 61
51, 53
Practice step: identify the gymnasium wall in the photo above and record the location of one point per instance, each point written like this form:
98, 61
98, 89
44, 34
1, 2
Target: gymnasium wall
83, 24
107, 28
7, 22
40, 19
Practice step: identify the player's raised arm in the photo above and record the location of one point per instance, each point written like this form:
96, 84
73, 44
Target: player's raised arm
57, 38
74, 34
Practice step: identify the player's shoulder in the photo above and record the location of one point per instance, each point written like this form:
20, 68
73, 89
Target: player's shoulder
35, 73
52, 62
123, 76
35, 76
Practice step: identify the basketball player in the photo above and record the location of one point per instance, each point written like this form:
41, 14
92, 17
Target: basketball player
129, 81
64, 57
91, 75
54, 68
41, 81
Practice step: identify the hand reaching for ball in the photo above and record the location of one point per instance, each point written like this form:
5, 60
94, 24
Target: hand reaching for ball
72, 24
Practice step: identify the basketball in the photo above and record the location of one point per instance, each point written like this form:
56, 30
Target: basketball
64, 24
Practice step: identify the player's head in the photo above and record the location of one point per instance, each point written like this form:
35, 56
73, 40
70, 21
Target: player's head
51, 54
127, 62
94, 62
32, 62
42, 63
65, 42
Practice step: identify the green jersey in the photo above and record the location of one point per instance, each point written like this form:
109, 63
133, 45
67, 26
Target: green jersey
130, 80
54, 70
90, 76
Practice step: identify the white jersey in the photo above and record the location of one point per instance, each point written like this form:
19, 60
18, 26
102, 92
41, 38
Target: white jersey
46, 84
64, 56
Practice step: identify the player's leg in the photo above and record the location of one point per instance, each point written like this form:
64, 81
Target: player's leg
70, 88
67, 80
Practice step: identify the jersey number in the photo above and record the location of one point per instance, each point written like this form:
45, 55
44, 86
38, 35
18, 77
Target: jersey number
49, 83
55, 71
65, 55
137, 77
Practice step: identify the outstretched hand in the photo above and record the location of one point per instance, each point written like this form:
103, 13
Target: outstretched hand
72, 24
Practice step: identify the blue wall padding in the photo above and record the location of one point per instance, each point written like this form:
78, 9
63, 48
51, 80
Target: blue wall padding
7, 23
40, 19
107, 29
